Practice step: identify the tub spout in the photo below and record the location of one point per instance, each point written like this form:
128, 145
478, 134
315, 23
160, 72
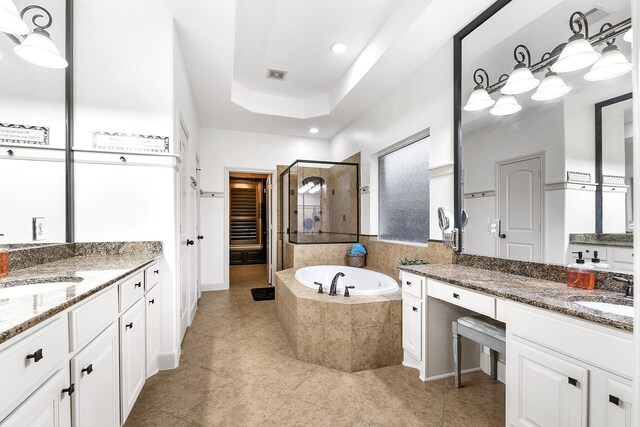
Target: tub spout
334, 284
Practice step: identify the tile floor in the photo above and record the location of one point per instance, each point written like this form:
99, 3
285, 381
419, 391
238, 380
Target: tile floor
237, 369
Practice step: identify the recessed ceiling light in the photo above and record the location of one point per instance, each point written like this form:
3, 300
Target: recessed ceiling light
338, 48
314, 130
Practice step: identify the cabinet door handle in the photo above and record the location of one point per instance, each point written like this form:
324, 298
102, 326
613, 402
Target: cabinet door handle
190, 242
36, 355
408, 283
456, 296
415, 308
153, 301
129, 326
88, 369
614, 400
69, 390
573, 381
138, 285
156, 271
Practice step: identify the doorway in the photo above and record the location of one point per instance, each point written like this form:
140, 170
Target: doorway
520, 209
249, 219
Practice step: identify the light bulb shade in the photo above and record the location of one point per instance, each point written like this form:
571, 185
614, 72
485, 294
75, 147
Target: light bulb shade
552, 87
315, 189
505, 106
628, 36
10, 21
38, 48
521, 80
576, 55
611, 64
479, 100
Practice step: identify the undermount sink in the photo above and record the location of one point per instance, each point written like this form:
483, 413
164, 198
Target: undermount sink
619, 309
36, 288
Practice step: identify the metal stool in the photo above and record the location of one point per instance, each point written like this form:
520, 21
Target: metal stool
482, 330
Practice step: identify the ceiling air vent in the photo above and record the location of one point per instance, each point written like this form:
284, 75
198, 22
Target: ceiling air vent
596, 14
276, 74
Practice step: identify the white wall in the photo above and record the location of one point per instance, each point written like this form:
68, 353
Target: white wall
239, 151
131, 78
424, 99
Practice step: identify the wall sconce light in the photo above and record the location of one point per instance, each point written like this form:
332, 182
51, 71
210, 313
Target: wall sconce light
479, 99
611, 64
36, 48
578, 53
521, 79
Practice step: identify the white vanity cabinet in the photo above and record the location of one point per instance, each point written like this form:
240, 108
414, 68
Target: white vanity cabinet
48, 406
563, 371
152, 309
94, 372
86, 365
133, 372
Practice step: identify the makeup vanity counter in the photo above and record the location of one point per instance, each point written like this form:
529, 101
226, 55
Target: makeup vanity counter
564, 361
553, 296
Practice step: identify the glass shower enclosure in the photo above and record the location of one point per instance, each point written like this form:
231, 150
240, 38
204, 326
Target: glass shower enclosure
319, 202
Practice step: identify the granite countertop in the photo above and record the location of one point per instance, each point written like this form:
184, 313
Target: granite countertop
72, 280
603, 239
545, 294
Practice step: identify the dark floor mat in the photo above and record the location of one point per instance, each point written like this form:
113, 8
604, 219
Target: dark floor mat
263, 294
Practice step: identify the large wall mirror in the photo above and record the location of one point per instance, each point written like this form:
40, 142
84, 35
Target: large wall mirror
34, 121
544, 133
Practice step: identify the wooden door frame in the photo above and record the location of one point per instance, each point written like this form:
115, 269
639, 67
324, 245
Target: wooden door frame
543, 208
228, 170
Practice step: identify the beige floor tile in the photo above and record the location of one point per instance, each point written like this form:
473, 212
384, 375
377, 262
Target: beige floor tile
237, 369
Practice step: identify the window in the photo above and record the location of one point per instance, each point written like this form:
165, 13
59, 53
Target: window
403, 197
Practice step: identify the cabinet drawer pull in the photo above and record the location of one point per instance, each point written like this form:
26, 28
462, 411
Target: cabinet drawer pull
69, 390
138, 285
129, 326
614, 400
88, 369
573, 381
456, 296
415, 308
36, 356
153, 301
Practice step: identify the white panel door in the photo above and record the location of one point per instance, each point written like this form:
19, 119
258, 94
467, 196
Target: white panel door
152, 307
544, 390
133, 372
185, 239
94, 371
412, 327
520, 210
48, 406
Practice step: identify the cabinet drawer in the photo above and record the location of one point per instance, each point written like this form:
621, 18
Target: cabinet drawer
151, 276
623, 255
92, 317
475, 301
27, 364
412, 285
131, 290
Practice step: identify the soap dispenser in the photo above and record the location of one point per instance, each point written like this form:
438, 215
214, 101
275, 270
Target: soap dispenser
596, 264
580, 275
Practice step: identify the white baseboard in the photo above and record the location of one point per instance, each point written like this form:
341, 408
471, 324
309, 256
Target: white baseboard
485, 364
168, 361
206, 287
450, 374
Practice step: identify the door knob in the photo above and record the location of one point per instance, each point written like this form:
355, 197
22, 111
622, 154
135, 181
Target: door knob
190, 242
503, 236
200, 237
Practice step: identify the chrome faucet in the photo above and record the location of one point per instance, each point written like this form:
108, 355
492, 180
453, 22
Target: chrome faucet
334, 284
629, 282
